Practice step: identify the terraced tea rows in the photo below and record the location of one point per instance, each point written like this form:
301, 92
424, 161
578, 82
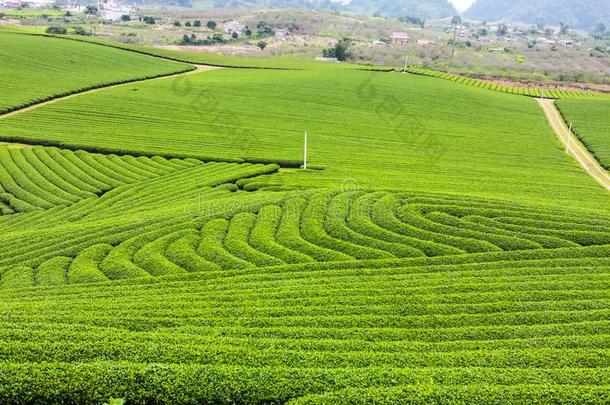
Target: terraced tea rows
443, 248
315, 227
524, 91
531, 330
37, 68
473, 141
591, 123
42, 178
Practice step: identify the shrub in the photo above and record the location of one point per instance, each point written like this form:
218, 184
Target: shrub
56, 30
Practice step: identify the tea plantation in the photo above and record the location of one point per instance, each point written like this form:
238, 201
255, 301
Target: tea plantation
161, 244
37, 68
591, 123
436, 135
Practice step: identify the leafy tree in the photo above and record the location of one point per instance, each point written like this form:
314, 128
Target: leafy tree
187, 24
457, 20
600, 30
262, 45
263, 29
149, 20
81, 31
68, 14
197, 23
340, 50
56, 30
563, 28
234, 35
248, 32
502, 30
125, 17
91, 10
177, 24
211, 25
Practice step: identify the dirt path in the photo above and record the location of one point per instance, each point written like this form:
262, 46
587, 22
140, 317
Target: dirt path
573, 145
200, 68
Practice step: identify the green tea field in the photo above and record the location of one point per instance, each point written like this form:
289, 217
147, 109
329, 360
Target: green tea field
591, 123
36, 68
163, 242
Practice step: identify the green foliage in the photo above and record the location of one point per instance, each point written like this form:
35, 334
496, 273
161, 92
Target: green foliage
525, 91
439, 249
340, 50
591, 122
437, 133
91, 10
56, 30
25, 76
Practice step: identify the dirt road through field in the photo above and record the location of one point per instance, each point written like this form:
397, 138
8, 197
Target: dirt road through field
573, 144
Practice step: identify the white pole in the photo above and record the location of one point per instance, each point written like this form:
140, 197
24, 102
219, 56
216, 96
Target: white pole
406, 63
305, 152
569, 136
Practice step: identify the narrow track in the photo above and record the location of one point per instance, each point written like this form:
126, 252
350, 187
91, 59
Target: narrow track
573, 144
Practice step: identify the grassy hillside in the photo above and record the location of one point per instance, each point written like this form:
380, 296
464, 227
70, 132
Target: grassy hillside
427, 9
378, 130
38, 68
213, 59
591, 123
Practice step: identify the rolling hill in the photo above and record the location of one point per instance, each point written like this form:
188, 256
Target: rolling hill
398, 8
161, 244
582, 14
394, 9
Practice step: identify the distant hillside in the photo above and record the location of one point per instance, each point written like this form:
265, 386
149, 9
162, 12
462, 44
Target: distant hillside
576, 13
398, 8
387, 8
264, 4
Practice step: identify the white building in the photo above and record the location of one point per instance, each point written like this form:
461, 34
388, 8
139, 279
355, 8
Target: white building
400, 37
113, 10
234, 26
282, 34
75, 8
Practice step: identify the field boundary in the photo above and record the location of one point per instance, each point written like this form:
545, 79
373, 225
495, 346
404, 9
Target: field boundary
28, 142
86, 90
116, 45
573, 145
533, 92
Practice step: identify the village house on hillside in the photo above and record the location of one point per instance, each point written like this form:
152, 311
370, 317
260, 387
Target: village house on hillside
113, 10
234, 26
282, 34
400, 37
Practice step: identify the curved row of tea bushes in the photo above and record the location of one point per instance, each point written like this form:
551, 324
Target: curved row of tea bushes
298, 228
42, 178
524, 91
